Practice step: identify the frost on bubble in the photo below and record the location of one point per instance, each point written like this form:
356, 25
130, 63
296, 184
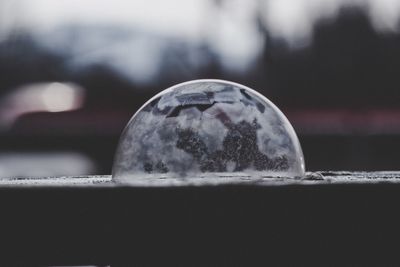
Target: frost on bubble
208, 128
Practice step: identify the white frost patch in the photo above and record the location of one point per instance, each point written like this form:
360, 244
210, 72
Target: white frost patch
57, 181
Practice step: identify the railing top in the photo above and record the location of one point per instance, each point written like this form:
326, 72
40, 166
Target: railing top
312, 178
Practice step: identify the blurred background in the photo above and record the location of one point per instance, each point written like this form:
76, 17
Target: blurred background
73, 72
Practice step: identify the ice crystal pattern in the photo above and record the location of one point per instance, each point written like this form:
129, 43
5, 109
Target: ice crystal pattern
205, 128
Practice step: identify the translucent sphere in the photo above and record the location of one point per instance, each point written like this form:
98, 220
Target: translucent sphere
208, 128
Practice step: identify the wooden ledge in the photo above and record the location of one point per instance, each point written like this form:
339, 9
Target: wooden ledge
344, 219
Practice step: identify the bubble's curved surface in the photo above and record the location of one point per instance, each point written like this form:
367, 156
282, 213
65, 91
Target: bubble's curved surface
207, 128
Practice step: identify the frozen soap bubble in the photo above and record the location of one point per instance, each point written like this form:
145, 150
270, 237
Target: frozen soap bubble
208, 128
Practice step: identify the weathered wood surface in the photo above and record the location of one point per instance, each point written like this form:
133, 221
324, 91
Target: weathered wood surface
339, 219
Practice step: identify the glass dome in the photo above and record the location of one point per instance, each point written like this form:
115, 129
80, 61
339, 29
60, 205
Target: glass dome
208, 128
